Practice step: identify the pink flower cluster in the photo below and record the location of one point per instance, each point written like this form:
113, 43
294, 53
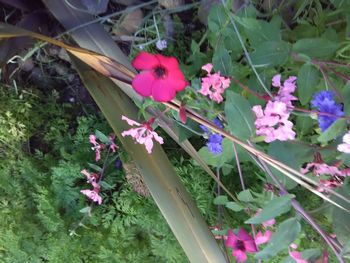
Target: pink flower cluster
345, 146
94, 193
144, 134
213, 85
272, 122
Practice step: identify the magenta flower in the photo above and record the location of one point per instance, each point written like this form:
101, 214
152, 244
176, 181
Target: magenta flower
144, 134
93, 194
160, 77
345, 146
112, 146
96, 147
262, 238
296, 255
214, 85
241, 244
322, 169
273, 122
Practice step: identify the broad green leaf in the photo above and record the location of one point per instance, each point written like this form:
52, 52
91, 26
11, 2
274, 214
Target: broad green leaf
272, 209
261, 31
304, 125
222, 61
291, 154
219, 159
217, 18
220, 200
95, 167
270, 53
311, 255
103, 138
341, 218
336, 129
234, 206
285, 234
239, 116
245, 196
316, 47
346, 96
308, 78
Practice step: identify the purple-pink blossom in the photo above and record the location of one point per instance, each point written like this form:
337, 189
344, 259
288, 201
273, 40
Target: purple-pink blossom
345, 146
213, 85
94, 193
90, 177
241, 244
96, 147
262, 238
296, 255
144, 134
285, 91
323, 169
273, 123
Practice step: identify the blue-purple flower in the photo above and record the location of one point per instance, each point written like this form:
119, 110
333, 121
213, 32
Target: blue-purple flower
214, 142
324, 101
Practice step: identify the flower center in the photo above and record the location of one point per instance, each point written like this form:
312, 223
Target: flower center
240, 245
160, 72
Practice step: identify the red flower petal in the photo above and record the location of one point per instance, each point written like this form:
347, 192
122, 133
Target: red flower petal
170, 63
177, 79
145, 60
142, 83
163, 91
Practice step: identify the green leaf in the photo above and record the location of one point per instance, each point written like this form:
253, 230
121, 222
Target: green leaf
308, 78
95, 167
285, 234
103, 138
304, 125
291, 154
260, 31
220, 200
239, 116
271, 53
336, 129
217, 18
85, 210
245, 196
272, 209
218, 160
222, 61
341, 218
234, 206
316, 47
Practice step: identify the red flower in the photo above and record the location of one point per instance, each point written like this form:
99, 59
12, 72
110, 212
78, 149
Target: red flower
160, 78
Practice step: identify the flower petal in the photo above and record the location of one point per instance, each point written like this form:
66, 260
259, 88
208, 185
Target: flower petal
145, 60
143, 82
239, 255
231, 239
177, 79
163, 91
130, 121
170, 63
243, 235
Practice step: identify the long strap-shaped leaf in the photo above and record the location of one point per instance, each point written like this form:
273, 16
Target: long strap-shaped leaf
166, 188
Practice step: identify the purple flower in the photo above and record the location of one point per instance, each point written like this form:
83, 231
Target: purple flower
324, 102
215, 143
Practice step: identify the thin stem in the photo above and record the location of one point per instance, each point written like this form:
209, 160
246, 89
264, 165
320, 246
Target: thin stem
301, 211
246, 53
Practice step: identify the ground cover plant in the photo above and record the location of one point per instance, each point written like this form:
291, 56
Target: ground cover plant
213, 131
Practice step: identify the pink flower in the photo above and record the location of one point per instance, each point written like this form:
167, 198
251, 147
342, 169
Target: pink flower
97, 147
90, 177
273, 122
112, 146
321, 169
296, 255
332, 183
345, 146
241, 244
214, 85
160, 77
144, 134
93, 194
285, 91
262, 238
